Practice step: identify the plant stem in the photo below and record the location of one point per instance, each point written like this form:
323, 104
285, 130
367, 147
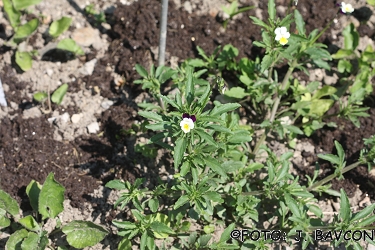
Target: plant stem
275, 106
330, 177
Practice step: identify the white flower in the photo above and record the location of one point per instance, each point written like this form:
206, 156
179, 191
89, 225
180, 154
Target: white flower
346, 8
282, 35
187, 124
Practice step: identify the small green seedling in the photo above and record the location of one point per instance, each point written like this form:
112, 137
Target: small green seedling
233, 10
57, 97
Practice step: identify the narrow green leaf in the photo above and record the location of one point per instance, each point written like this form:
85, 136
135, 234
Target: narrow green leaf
59, 94
51, 198
8, 203
151, 115
144, 240
26, 30
218, 110
179, 150
82, 234
22, 4
124, 224
125, 244
316, 210
189, 92
292, 204
299, 23
366, 222
181, 201
271, 9
239, 136
59, 26
170, 101
227, 232
344, 212
116, 184
340, 151
342, 53
13, 15
215, 166
70, 45
259, 22
331, 158
362, 214
206, 137
236, 92
141, 71
24, 60
266, 63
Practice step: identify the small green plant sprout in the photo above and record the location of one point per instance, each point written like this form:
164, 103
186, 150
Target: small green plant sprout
14, 10
98, 17
57, 97
232, 11
46, 201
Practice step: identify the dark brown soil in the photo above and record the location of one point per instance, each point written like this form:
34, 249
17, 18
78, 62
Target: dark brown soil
25, 156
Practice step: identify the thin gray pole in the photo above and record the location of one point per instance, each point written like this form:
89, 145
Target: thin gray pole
163, 32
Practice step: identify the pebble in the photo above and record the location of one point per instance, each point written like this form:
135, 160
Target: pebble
93, 128
64, 118
75, 118
86, 36
32, 113
106, 104
49, 72
88, 68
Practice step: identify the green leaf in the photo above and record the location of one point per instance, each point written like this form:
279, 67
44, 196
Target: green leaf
324, 91
181, 201
161, 228
292, 204
218, 110
8, 203
266, 63
189, 92
236, 92
340, 151
59, 94
26, 30
215, 166
4, 221
331, 158
319, 107
227, 232
71, 46
15, 239
213, 196
344, 212
124, 224
271, 9
364, 213
239, 136
293, 129
150, 115
179, 150
22, 4
13, 15
351, 37
82, 234
31, 242
316, 210
116, 184
59, 26
51, 198
40, 96
259, 22
153, 204
342, 53
169, 101
299, 23
141, 70
125, 244
24, 60
203, 135
30, 223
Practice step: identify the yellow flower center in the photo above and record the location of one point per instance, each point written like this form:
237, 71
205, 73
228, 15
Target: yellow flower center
186, 126
283, 41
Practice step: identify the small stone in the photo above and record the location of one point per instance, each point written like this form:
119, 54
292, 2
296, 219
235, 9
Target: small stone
49, 72
106, 104
88, 68
64, 118
75, 118
93, 128
86, 36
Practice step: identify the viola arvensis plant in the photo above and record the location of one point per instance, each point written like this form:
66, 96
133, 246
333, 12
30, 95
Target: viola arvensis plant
187, 122
282, 35
346, 8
